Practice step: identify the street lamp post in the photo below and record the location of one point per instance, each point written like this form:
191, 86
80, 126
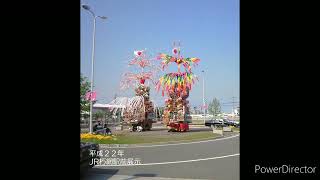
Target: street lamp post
86, 7
204, 108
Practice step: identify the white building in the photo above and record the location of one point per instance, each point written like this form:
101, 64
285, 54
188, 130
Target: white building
237, 111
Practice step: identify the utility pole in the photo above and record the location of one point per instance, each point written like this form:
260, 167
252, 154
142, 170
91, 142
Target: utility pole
203, 101
233, 105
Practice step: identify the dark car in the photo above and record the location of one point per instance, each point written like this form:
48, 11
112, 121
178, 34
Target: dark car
88, 152
213, 122
227, 122
235, 123
231, 123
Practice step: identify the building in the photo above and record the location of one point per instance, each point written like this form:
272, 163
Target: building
237, 111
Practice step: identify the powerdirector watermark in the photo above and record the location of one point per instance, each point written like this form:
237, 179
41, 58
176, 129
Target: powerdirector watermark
285, 169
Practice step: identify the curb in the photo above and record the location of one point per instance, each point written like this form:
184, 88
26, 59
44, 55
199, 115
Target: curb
163, 143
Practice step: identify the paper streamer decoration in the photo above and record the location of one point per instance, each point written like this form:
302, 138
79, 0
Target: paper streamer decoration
177, 86
91, 96
186, 62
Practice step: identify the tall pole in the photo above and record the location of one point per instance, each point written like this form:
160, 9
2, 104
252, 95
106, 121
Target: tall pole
92, 70
86, 7
203, 102
233, 105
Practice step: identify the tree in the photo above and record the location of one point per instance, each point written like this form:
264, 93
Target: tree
99, 115
107, 115
84, 88
214, 107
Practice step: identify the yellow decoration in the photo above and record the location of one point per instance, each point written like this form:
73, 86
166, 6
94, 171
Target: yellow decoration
94, 136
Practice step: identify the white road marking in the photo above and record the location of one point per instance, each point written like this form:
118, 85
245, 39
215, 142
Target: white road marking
158, 145
174, 162
122, 177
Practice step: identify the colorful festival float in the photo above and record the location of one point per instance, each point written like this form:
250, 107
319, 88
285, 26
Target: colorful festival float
176, 85
142, 116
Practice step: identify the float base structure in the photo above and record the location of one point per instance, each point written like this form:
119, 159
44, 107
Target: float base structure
178, 126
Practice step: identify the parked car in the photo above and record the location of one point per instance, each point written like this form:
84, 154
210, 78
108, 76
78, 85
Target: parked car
220, 120
227, 122
85, 156
235, 123
213, 122
231, 123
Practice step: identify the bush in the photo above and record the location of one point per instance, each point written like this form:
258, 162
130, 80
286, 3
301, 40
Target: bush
94, 136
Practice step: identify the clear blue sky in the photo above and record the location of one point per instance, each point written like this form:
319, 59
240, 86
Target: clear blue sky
207, 29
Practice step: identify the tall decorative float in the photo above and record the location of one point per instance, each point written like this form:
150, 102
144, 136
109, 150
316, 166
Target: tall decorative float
144, 116
176, 85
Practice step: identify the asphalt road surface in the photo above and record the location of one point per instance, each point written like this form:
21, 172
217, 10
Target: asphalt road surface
216, 159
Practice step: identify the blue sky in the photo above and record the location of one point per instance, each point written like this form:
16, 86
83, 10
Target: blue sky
207, 29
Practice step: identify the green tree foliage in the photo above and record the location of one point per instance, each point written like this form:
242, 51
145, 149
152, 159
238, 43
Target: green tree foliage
214, 107
84, 88
99, 115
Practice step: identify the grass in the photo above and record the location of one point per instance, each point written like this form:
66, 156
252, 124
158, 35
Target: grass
235, 129
130, 139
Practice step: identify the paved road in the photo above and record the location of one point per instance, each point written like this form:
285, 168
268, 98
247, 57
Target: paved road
214, 159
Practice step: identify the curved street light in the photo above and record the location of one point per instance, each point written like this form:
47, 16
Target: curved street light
87, 7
